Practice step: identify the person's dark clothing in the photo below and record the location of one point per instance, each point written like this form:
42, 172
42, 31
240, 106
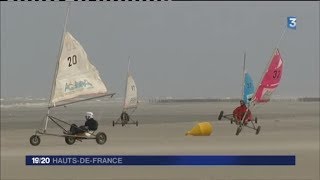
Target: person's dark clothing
90, 125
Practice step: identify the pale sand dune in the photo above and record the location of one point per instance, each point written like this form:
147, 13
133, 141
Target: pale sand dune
288, 128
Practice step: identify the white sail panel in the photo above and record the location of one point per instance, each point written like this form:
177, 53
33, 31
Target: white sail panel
76, 78
131, 96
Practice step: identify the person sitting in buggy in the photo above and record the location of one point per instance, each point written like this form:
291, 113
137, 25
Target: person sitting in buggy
125, 116
240, 111
90, 125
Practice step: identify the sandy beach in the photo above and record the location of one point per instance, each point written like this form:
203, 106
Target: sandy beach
288, 128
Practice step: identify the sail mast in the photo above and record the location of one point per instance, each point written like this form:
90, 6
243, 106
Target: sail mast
125, 92
243, 74
128, 65
60, 51
282, 35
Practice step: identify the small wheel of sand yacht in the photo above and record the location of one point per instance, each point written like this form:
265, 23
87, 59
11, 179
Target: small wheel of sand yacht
75, 80
35, 140
70, 140
130, 103
220, 115
269, 82
258, 130
101, 138
238, 130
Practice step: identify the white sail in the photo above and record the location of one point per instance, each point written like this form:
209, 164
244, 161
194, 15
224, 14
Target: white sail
131, 96
75, 78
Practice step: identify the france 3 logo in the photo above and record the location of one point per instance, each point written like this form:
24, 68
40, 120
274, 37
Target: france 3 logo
292, 22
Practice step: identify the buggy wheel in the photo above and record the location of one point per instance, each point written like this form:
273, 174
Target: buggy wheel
231, 121
136, 123
34, 140
220, 115
123, 122
258, 130
113, 123
256, 120
101, 138
70, 140
238, 130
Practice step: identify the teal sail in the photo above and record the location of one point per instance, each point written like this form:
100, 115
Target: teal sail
248, 89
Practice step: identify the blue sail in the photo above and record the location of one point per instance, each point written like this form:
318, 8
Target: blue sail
248, 89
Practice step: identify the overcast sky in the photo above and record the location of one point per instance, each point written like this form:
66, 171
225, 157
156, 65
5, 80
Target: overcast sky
177, 49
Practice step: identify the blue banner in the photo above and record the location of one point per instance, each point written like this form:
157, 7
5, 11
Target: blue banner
166, 160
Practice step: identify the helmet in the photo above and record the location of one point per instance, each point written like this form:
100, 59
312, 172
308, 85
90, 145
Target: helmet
89, 115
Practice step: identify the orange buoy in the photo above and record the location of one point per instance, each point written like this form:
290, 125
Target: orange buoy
201, 129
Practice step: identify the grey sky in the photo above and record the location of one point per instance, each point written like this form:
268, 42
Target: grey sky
178, 49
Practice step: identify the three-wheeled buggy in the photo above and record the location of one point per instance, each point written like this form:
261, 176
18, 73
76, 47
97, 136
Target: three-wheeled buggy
248, 122
70, 138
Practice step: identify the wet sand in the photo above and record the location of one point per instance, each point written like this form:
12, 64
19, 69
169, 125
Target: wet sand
288, 128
